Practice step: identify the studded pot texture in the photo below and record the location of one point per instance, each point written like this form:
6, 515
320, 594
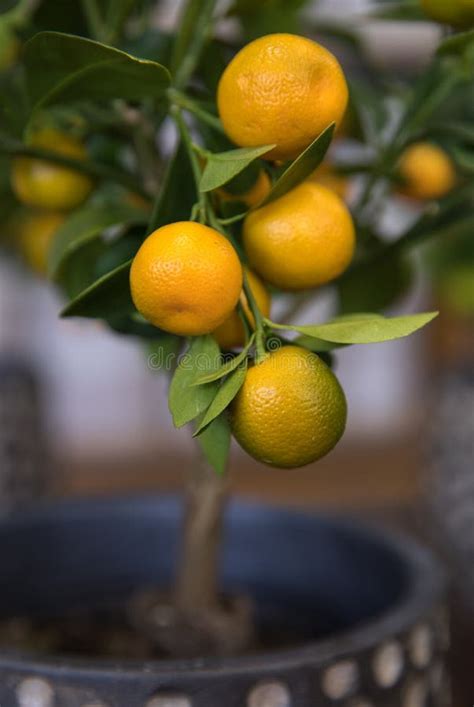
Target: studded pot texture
365, 610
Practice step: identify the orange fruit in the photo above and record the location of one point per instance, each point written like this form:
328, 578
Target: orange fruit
35, 234
186, 278
253, 196
302, 240
231, 334
427, 171
47, 185
281, 89
291, 409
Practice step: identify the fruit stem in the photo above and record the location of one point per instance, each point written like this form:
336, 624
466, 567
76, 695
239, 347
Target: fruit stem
93, 169
259, 321
94, 20
183, 101
188, 143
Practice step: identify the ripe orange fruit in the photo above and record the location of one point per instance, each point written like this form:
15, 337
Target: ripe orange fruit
253, 196
231, 334
186, 278
35, 234
281, 89
427, 171
291, 409
46, 185
302, 240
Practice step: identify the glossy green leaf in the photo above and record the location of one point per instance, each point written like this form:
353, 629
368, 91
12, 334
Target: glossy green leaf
302, 167
82, 227
109, 296
224, 396
369, 109
194, 30
464, 158
221, 167
186, 401
364, 328
457, 43
177, 194
163, 353
406, 10
228, 366
61, 68
316, 345
375, 285
215, 443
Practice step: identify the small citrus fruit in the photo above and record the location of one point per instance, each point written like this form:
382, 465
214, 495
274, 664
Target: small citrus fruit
291, 409
45, 185
231, 334
459, 13
281, 89
302, 240
427, 171
186, 278
253, 196
36, 232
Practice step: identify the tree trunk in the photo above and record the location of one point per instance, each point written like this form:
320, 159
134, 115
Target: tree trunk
197, 579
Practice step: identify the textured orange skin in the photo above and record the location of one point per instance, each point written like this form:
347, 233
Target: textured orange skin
253, 196
36, 233
427, 171
281, 89
46, 185
231, 333
303, 240
291, 409
186, 278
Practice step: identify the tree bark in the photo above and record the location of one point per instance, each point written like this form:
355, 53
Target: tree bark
197, 583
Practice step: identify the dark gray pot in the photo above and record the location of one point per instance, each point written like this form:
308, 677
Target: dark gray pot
368, 608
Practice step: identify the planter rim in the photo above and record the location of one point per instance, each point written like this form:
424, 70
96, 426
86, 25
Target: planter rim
419, 561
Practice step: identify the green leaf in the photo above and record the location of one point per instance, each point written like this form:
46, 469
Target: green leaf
302, 167
464, 159
221, 167
13, 104
224, 396
195, 28
186, 401
108, 297
457, 44
363, 328
228, 367
410, 10
215, 443
132, 325
316, 345
61, 68
177, 194
84, 226
374, 285
369, 109
163, 352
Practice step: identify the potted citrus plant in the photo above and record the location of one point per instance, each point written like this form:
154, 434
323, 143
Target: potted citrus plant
185, 253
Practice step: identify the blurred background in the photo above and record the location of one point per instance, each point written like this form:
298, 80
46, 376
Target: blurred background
97, 417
